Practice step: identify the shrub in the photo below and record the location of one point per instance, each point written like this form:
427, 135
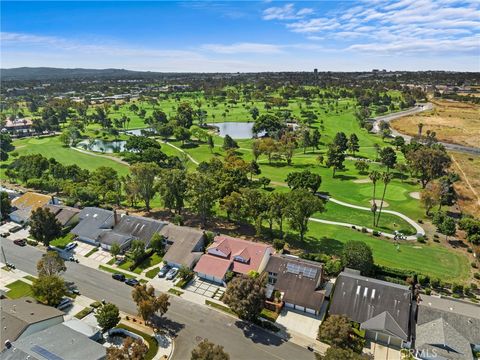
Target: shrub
457, 288
477, 275
421, 239
375, 233
96, 304
364, 230
32, 242
473, 286
474, 264
229, 276
278, 244
470, 250
428, 291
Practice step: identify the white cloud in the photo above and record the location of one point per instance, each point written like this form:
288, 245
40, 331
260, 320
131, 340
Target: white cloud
238, 48
286, 12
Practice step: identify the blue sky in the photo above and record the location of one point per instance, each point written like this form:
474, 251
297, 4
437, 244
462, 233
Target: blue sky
210, 36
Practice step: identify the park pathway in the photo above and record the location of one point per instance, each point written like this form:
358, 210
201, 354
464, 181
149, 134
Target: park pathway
182, 151
113, 158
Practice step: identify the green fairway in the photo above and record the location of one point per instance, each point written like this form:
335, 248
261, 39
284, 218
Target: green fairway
430, 259
51, 147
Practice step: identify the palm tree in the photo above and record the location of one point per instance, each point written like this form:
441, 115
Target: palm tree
420, 128
386, 177
374, 177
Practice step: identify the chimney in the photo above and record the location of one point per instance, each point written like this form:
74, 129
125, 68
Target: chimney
115, 217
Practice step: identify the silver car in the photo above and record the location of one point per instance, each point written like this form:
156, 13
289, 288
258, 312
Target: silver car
171, 274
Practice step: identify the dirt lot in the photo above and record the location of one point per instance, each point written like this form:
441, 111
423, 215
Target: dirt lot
453, 121
468, 189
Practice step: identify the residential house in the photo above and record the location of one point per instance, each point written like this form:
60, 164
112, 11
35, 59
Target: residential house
232, 254
26, 203
66, 215
446, 329
93, 222
23, 317
382, 309
92, 332
184, 245
21, 125
55, 343
127, 228
298, 281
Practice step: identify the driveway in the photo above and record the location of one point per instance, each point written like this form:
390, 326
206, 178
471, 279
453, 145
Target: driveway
101, 255
382, 352
205, 288
299, 322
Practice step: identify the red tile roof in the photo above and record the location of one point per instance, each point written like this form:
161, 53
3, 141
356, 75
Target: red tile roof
252, 252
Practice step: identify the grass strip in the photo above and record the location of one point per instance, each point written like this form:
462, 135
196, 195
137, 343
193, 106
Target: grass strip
81, 314
113, 271
175, 292
220, 307
152, 273
94, 250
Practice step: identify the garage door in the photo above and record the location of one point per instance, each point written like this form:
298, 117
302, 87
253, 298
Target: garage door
289, 305
300, 308
310, 311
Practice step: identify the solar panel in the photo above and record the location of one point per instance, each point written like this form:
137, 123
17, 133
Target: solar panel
297, 269
45, 353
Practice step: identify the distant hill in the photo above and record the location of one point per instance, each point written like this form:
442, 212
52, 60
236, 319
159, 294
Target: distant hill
46, 73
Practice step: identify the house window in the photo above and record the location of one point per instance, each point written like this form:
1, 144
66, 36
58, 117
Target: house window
358, 290
365, 292
373, 294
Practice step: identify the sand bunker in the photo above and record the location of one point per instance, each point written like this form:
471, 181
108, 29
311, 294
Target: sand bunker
362, 181
378, 202
415, 195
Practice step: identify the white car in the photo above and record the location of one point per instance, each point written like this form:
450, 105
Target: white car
71, 246
171, 274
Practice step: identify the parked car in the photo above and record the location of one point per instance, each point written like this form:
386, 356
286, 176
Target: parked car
132, 282
118, 276
70, 246
66, 302
163, 271
171, 274
71, 258
6, 234
20, 242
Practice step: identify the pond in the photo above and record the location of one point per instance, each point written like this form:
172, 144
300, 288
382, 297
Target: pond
236, 130
138, 132
103, 146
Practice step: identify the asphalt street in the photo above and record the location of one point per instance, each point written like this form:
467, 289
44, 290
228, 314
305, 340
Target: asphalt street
189, 322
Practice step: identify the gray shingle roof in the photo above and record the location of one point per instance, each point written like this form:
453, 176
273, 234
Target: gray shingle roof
18, 314
93, 222
386, 324
63, 342
137, 227
439, 336
463, 317
362, 298
187, 244
298, 289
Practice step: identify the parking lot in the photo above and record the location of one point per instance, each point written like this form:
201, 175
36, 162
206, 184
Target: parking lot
205, 288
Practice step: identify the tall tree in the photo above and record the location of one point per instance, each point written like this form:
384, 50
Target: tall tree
301, 205
428, 163
358, 255
430, 197
316, 136
49, 289
210, 143
143, 176
353, 145
229, 143
306, 140
388, 157
448, 227
277, 209
173, 188
202, 193
44, 226
335, 158
50, 264
386, 178
304, 180
245, 296
147, 303
340, 140
374, 177
108, 316
206, 350
5, 205
131, 349
337, 330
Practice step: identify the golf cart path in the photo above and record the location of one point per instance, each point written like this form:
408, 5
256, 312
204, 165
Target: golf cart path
417, 227
415, 110
182, 151
113, 158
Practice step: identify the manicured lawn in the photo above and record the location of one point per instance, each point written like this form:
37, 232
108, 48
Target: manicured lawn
30, 277
19, 289
82, 313
151, 341
91, 252
152, 273
62, 241
430, 259
51, 147
151, 261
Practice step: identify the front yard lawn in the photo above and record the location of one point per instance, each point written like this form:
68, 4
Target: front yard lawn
152, 273
269, 315
61, 242
19, 289
151, 341
149, 262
